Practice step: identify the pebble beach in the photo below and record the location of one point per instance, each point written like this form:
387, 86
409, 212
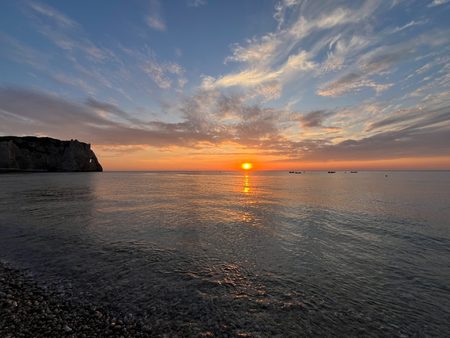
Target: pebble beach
29, 310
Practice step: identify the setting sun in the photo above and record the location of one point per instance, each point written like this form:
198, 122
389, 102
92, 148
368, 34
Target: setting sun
246, 166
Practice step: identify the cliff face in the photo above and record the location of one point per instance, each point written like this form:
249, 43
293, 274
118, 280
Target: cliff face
31, 153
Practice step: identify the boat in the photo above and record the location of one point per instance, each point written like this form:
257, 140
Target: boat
332, 172
353, 172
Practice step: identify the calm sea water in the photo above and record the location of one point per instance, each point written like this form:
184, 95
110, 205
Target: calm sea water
257, 255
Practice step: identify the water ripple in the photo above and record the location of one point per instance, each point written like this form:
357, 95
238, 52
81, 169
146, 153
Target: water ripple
265, 254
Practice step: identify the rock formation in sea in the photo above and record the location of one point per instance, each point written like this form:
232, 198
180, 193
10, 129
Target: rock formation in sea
30, 153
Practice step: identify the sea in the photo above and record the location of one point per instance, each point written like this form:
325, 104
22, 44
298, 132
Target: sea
244, 254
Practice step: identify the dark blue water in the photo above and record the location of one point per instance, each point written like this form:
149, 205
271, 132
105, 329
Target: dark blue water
258, 255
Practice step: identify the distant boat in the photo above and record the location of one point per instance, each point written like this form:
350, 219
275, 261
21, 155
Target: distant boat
353, 172
291, 172
298, 172
332, 172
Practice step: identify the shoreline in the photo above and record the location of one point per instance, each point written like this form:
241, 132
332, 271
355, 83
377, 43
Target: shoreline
29, 310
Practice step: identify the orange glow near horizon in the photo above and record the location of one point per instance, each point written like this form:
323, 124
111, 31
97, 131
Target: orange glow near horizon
143, 158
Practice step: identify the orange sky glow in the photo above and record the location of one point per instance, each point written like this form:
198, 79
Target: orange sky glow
147, 158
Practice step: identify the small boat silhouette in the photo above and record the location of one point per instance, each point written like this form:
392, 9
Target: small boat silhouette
353, 172
332, 172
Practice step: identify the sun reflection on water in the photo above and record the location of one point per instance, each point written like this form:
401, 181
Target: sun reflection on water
246, 184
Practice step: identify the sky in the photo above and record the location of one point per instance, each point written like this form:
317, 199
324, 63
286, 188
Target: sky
209, 84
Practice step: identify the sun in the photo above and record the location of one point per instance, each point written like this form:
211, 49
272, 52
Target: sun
246, 166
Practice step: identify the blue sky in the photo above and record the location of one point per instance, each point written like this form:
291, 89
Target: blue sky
277, 81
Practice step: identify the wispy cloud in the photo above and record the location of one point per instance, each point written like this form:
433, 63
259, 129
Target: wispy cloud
376, 63
339, 48
196, 3
408, 25
65, 32
315, 118
19, 52
215, 119
91, 67
31, 112
161, 73
280, 10
155, 19
435, 3
350, 83
278, 57
261, 79
207, 118
61, 19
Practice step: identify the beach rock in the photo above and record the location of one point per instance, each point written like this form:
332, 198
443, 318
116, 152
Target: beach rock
67, 328
31, 153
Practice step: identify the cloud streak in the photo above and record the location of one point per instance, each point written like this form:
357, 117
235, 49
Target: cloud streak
155, 19
51, 13
315, 118
211, 118
278, 56
162, 73
196, 3
435, 3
